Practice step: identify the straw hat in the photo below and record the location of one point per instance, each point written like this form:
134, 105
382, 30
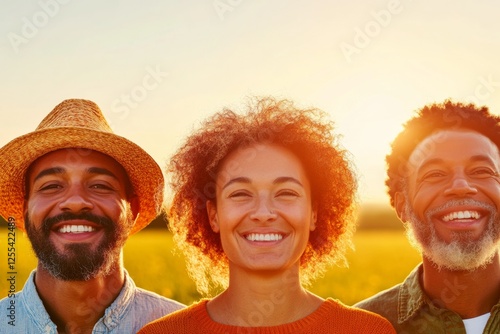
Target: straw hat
78, 125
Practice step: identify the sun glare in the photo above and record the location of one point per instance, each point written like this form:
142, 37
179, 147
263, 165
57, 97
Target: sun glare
367, 130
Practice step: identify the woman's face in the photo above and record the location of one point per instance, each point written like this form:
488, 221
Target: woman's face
263, 208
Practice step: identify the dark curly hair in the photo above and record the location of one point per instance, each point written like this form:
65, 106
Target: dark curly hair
194, 167
447, 115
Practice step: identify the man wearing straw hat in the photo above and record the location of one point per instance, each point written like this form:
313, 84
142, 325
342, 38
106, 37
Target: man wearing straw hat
79, 190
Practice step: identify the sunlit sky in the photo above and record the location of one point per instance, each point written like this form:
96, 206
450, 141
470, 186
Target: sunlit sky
158, 68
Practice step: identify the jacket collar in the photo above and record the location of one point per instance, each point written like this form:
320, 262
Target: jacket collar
411, 295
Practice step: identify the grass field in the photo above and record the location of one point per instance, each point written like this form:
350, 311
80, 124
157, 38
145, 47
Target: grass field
380, 260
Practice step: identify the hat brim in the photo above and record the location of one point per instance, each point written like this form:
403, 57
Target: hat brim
144, 173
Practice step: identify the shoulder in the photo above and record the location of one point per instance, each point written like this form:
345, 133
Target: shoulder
402, 298
194, 315
382, 300
136, 307
10, 299
350, 311
386, 303
146, 298
23, 313
363, 321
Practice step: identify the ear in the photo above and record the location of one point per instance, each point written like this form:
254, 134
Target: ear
25, 208
399, 205
212, 216
314, 218
134, 205
26, 195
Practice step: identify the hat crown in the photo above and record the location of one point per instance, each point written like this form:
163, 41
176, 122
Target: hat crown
78, 123
76, 113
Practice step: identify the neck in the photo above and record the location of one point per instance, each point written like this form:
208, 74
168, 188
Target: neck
263, 300
468, 293
88, 299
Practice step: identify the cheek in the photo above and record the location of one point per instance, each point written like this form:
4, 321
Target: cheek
419, 205
423, 197
117, 209
296, 208
230, 211
38, 207
227, 220
491, 188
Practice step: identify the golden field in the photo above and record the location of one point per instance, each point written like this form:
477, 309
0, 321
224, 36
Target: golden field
381, 259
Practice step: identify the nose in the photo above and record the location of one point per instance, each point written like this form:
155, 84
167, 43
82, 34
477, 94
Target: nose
460, 187
263, 211
76, 200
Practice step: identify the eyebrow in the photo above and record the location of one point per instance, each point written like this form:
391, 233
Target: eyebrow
474, 158
285, 179
49, 171
482, 158
101, 171
279, 180
59, 170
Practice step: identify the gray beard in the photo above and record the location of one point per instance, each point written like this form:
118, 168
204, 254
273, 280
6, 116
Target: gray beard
463, 252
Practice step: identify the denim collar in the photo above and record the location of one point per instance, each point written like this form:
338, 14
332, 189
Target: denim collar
112, 315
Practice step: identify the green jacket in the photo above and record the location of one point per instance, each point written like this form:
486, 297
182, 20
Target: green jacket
411, 312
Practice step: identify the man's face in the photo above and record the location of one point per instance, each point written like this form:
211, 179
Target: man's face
77, 213
452, 199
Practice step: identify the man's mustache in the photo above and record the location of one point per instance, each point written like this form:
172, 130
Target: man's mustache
102, 221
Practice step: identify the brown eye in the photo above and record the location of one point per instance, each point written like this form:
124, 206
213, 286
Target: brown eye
433, 175
287, 193
50, 187
239, 194
483, 172
101, 188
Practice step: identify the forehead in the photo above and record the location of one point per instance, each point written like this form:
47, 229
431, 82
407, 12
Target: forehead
71, 160
261, 160
455, 146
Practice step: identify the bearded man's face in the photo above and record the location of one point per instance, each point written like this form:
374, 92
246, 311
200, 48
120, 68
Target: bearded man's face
452, 197
77, 214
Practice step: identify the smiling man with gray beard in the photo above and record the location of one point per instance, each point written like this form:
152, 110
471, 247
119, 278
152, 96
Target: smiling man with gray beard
464, 251
443, 181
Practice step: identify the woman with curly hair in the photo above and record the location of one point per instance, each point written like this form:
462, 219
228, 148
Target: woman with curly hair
263, 202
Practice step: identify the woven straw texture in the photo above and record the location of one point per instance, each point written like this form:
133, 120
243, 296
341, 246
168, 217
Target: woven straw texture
78, 125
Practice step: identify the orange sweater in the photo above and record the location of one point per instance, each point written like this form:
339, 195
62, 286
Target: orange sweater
331, 317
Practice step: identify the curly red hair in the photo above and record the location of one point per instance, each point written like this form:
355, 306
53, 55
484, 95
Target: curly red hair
306, 133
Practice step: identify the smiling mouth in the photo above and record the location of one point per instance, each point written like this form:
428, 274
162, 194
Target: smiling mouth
264, 237
457, 215
75, 229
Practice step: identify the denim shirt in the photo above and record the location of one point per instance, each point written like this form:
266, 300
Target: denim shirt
411, 312
130, 311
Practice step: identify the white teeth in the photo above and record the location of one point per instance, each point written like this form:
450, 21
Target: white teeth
76, 229
264, 237
461, 215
